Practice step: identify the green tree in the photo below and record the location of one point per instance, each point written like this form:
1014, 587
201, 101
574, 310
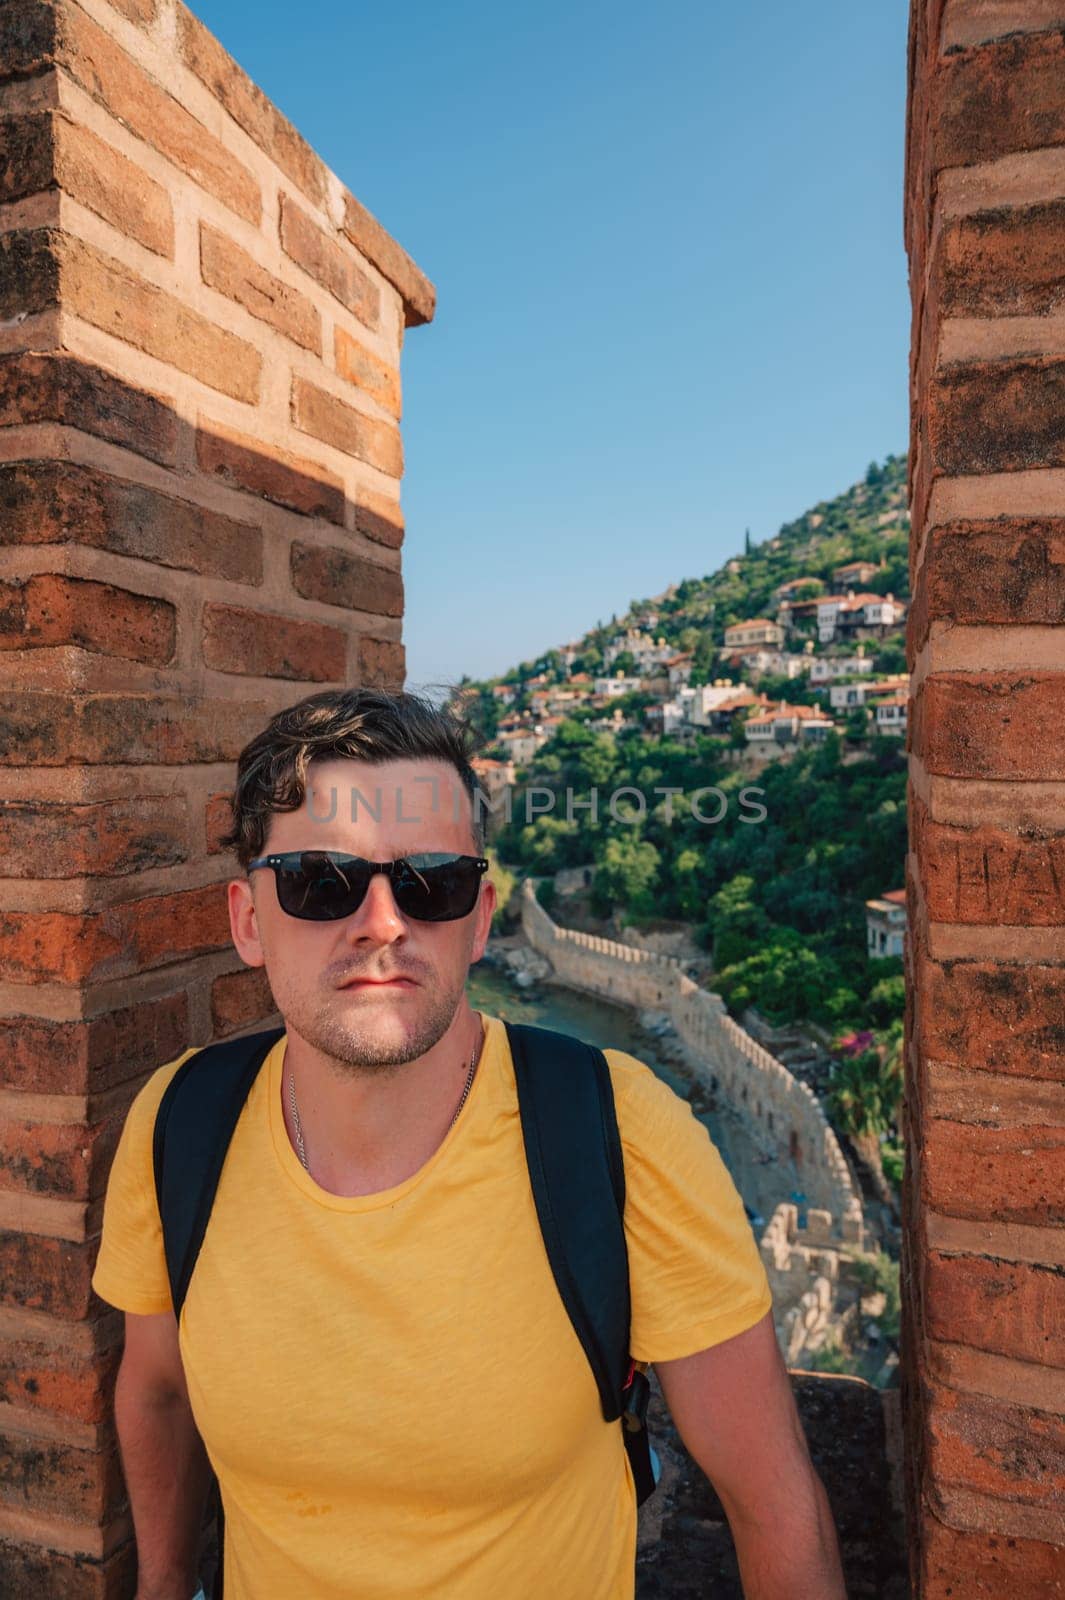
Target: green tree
626, 877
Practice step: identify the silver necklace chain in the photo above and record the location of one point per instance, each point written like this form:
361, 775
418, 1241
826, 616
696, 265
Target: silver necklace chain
301, 1149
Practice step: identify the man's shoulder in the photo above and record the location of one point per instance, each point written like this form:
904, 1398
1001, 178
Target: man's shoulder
640, 1095
145, 1104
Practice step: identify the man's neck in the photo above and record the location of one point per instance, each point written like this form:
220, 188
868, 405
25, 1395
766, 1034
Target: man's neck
366, 1131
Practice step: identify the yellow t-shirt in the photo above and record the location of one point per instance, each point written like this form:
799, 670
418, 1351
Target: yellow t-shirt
388, 1385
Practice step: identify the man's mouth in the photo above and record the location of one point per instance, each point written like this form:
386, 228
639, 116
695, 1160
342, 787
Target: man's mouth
378, 983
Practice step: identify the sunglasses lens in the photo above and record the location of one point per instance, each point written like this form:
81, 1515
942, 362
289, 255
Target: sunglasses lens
320, 889
436, 888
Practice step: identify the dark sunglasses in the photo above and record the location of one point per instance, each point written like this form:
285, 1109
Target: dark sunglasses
323, 886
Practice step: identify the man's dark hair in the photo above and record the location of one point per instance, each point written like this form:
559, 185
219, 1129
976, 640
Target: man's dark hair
362, 724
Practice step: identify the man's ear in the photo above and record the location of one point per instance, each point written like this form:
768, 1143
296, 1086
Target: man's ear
243, 923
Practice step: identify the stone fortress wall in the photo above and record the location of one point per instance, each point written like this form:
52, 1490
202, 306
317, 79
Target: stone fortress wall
781, 1115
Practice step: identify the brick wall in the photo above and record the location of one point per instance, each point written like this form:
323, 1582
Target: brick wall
200, 455
984, 1335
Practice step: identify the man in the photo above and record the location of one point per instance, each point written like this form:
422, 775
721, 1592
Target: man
373, 1354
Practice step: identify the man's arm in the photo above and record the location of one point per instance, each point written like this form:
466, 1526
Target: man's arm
165, 1463
735, 1411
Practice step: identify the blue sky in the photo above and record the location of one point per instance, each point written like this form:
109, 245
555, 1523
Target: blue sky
673, 302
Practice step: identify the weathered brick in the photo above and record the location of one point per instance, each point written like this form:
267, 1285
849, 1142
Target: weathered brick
988, 725
110, 838
39, 1056
262, 644
249, 107
379, 518
324, 417
84, 947
52, 1575
371, 240
271, 473
29, 274
1014, 1174
50, 388
1007, 1307
143, 12
46, 1476
367, 372
998, 98
106, 72
54, 730
337, 578
51, 609
27, 38
56, 502
988, 875
217, 820
331, 265
108, 295
971, 1565
240, 998
46, 150
50, 1275
1008, 571
1008, 1452
382, 664
233, 272
39, 1376
993, 1017
61, 1160
996, 416
1004, 262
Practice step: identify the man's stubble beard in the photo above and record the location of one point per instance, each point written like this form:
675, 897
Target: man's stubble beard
353, 1048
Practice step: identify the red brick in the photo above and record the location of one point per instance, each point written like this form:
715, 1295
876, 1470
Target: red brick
270, 473
106, 72
218, 819
108, 295
50, 1275
999, 98
382, 664
48, 388
980, 573
50, 609
27, 38
240, 998
337, 578
250, 108
1010, 1308
1007, 1452
62, 1160
56, 502
84, 947
990, 876
93, 1056
969, 1565
371, 240
325, 417
367, 372
331, 265
1014, 1174
995, 416
990, 725
993, 1017
53, 730
38, 1376
29, 274
142, 12
379, 518
27, 156
261, 644
110, 838
1002, 262
45, 1476
234, 273
49, 1575
118, 190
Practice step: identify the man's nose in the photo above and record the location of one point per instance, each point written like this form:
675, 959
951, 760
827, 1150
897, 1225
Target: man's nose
378, 917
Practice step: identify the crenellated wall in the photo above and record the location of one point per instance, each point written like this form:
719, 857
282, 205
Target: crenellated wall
783, 1115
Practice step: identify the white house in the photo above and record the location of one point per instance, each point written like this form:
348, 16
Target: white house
612, 687
826, 669
885, 923
891, 715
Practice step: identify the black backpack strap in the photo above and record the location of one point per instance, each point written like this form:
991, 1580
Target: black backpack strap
576, 1168
194, 1124
193, 1127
